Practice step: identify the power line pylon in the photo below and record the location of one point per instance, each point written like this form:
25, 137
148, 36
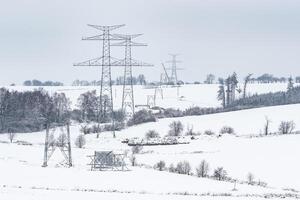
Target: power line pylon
105, 61
63, 143
128, 93
174, 68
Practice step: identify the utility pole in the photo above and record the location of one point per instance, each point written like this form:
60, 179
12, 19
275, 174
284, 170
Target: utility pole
128, 62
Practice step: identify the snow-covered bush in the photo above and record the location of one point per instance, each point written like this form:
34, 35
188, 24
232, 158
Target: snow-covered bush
227, 129
171, 112
151, 134
85, 129
133, 160
202, 169
209, 132
220, 174
190, 131
286, 127
161, 165
136, 149
250, 178
140, 117
183, 167
80, 141
176, 128
171, 168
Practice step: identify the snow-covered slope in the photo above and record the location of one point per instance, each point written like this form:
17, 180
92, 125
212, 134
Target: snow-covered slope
186, 96
272, 159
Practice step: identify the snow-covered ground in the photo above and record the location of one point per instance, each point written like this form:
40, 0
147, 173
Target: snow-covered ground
272, 159
203, 95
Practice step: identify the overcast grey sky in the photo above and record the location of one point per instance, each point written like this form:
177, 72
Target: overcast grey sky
42, 39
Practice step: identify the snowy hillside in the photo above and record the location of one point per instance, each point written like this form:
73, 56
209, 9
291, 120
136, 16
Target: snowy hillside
203, 95
272, 159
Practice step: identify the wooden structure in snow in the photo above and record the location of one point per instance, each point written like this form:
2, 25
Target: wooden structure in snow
108, 160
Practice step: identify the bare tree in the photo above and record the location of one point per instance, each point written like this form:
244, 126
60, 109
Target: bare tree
202, 169
176, 128
221, 92
152, 134
80, 141
286, 127
183, 167
136, 149
246, 81
172, 168
11, 136
161, 165
190, 130
250, 178
220, 173
210, 79
133, 160
267, 125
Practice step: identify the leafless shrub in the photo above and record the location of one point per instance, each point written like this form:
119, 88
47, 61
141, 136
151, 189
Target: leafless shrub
183, 167
286, 127
227, 129
209, 132
161, 165
152, 134
136, 149
80, 141
202, 169
176, 128
220, 173
250, 178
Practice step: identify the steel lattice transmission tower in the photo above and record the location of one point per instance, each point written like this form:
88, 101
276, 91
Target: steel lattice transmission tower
63, 143
174, 68
128, 62
105, 61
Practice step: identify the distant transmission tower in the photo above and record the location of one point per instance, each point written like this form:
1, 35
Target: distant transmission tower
63, 143
129, 62
105, 61
174, 68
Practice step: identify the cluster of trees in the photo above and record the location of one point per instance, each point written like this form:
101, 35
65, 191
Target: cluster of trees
184, 167
138, 80
227, 89
29, 111
203, 170
40, 83
291, 96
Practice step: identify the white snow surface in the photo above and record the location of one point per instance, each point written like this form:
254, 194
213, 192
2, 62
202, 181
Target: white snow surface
272, 159
203, 95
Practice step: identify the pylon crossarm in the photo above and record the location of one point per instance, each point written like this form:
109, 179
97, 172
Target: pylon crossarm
125, 43
132, 36
140, 63
102, 37
103, 28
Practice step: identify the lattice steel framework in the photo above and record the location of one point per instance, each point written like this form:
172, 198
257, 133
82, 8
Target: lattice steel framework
174, 68
63, 143
106, 61
128, 93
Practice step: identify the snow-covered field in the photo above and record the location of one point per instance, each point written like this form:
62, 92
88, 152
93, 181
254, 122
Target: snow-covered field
272, 159
203, 95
